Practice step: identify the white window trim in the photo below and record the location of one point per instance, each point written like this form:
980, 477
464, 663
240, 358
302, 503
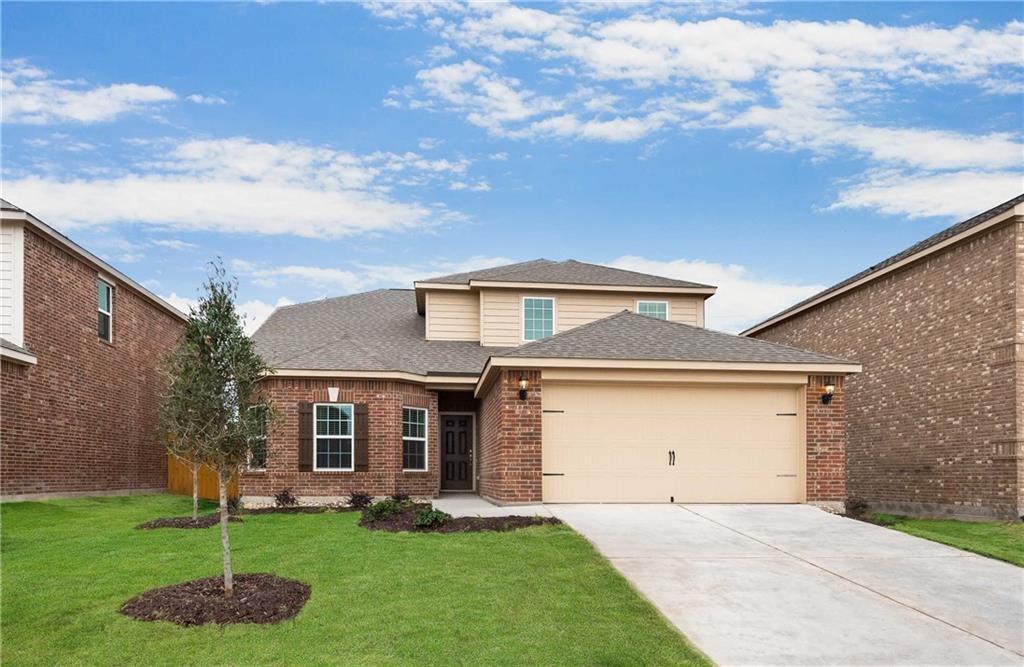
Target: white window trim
522, 315
426, 433
108, 313
17, 334
352, 437
668, 312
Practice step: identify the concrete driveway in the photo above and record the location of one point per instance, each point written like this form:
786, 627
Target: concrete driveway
791, 584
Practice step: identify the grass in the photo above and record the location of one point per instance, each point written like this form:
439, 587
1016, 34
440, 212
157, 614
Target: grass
539, 595
1003, 541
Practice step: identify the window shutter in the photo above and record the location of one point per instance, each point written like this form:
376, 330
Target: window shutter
362, 442
305, 437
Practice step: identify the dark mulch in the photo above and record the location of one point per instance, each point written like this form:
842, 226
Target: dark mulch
204, 521
258, 598
304, 509
404, 521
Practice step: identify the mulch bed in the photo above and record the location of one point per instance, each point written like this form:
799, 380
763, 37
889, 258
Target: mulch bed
298, 509
258, 598
204, 521
403, 521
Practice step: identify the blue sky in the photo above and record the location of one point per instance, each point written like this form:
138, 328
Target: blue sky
323, 149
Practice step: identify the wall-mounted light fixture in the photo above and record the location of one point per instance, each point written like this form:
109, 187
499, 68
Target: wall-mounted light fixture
830, 388
524, 384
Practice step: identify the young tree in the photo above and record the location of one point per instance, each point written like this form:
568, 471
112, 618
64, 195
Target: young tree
215, 385
180, 432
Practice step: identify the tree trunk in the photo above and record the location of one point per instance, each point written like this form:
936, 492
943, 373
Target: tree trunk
229, 580
195, 491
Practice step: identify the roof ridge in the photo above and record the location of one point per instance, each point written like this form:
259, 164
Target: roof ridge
535, 343
340, 296
638, 273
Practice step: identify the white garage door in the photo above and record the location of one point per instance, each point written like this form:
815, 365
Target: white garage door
675, 443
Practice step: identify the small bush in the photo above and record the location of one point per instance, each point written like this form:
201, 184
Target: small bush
284, 498
856, 507
430, 518
359, 500
383, 510
234, 505
400, 497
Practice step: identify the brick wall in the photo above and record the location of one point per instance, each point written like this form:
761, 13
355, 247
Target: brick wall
826, 443
384, 399
934, 421
83, 420
509, 462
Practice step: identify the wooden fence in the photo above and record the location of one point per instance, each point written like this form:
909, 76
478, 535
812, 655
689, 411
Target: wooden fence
179, 480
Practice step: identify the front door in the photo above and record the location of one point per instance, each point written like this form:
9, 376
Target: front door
457, 452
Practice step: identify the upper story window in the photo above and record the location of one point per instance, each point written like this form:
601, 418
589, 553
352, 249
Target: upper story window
414, 439
332, 435
656, 309
538, 317
105, 305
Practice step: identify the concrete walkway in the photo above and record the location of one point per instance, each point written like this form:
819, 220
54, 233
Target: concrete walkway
793, 585
470, 504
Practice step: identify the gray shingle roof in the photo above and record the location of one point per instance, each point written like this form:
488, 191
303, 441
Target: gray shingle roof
373, 331
569, 271
932, 240
626, 335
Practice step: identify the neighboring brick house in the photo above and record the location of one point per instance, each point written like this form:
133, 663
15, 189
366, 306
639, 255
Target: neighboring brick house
936, 420
544, 381
80, 346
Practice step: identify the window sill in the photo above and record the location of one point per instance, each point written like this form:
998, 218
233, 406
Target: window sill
254, 471
333, 470
413, 471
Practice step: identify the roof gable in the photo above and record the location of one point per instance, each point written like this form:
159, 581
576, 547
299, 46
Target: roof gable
564, 272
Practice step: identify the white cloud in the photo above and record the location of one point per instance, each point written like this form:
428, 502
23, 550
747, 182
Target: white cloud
811, 86
960, 194
479, 186
32, 96
206, 99
253, 312
429, 143
174, 244
742, 299
361, 276
499, 157
244, 186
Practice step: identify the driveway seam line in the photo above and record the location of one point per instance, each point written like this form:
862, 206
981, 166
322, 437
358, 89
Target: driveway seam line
844, 578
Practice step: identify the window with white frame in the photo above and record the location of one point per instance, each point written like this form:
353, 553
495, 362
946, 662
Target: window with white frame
333, 426
538, 317
105, 306
656, 309
414, 439
257, 459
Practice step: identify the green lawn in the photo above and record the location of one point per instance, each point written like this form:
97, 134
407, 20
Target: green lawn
1004, 541
539, 595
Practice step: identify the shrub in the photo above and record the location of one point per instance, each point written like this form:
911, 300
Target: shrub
234, 505
284, 498
856, 507
400, 497
430, 518
359, 500
383, 510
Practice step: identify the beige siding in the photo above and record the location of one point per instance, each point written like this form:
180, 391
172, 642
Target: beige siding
501, 311
453, 316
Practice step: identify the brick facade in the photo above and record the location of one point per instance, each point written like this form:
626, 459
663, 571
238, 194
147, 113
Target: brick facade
826, 443
384, 476
509, 460
83, 419
935, 421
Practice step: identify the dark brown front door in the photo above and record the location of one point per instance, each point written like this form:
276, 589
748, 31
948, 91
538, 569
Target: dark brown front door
457, 452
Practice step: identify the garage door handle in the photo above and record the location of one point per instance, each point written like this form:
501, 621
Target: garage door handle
671, 457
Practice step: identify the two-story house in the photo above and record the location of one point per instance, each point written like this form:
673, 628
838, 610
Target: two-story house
545, 381
936, 420
80, 349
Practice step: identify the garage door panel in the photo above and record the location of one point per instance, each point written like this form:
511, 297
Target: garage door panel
610, 443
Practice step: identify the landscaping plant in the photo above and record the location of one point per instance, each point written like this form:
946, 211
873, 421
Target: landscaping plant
285, 498
359, 500
430, 518
383, 509
212, 405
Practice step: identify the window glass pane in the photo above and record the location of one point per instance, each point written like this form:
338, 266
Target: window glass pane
414, 455
538, 318
334, 453
103, 296
414, 423
333, 419
656, 309
103, 326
